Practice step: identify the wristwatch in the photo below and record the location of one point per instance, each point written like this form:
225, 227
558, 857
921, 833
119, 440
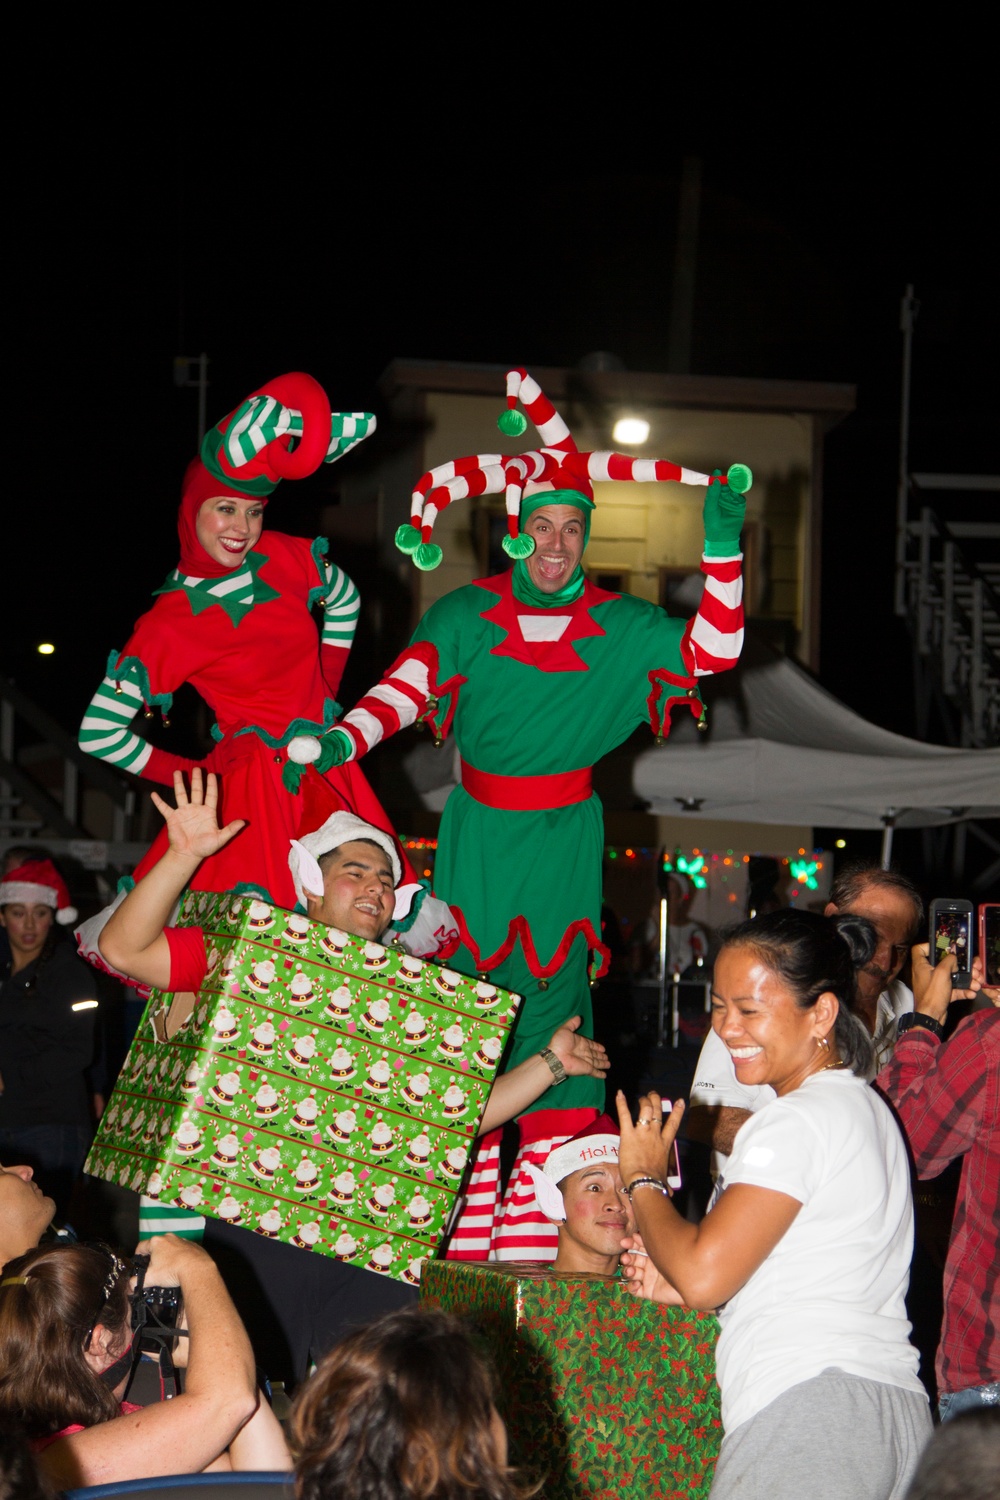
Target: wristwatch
556, 1068
915, 1018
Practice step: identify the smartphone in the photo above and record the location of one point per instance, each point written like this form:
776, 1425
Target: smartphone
951, 932
674, 1177
989, 942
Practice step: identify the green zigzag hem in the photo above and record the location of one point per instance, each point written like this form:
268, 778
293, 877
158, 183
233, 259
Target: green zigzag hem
332, 711
132, 666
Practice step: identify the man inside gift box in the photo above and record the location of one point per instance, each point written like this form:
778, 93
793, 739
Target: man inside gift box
581, 1190
295, 1304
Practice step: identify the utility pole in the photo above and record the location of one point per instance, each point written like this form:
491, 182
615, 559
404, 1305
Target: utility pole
185, 379
907, 317
685, 263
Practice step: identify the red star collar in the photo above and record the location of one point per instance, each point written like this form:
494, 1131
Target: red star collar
546, 656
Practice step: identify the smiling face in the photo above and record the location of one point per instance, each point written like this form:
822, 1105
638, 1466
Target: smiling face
228, 527
558, 532
28, 924
25, 1212
770, 1037
598, 1216
358, 891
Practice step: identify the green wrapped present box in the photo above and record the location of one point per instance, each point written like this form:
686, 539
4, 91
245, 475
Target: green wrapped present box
605, 1396
318, 1089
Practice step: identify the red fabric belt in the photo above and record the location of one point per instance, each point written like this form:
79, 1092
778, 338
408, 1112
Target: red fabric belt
527, 793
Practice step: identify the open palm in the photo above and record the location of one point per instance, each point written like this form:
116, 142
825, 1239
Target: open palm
193, 826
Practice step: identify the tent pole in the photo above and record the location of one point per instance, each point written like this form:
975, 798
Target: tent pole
888, 824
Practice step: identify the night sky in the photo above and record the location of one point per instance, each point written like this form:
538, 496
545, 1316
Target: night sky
354, 215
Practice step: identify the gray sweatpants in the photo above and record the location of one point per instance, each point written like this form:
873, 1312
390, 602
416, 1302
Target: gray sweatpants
835, 1437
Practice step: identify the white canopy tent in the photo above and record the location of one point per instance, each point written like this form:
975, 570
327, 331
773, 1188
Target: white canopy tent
783, 750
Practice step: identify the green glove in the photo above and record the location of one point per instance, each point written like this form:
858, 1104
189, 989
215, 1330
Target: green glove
306, 750
723, 517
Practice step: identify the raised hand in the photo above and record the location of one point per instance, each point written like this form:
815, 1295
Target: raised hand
580, 1055
646, 1145
723, 513
192, 826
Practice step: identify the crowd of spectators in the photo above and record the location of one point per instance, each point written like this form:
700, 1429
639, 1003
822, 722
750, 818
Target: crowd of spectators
833, 1083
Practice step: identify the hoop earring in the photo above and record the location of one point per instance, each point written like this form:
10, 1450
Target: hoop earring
822, 1042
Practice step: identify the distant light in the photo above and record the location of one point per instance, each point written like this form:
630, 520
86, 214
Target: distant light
84, 1005
631, 431
841, 843
46, 649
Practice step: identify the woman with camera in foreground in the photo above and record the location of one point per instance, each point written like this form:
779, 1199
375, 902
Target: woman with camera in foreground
805, 1250
402, 1410
70, 1324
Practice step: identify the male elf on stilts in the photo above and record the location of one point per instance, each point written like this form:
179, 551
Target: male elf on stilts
539, 673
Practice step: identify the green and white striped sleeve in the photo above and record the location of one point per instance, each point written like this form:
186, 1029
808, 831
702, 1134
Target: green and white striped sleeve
106, 729
341, 607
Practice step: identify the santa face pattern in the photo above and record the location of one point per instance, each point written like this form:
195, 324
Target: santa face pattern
326, 1091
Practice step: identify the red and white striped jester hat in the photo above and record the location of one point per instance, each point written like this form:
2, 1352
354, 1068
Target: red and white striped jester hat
558, 462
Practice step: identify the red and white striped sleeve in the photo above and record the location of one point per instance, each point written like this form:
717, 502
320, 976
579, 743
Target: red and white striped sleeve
714, 637
404, 694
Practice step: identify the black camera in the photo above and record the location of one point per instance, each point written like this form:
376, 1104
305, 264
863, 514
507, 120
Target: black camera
162, 1303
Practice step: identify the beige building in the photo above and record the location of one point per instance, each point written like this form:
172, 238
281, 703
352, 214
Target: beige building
645, 539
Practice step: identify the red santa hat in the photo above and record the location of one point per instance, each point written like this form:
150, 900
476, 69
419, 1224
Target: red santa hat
556, 466
38, 881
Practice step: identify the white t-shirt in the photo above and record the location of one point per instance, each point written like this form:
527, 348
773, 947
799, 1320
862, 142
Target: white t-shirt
831, 1291
715, 1081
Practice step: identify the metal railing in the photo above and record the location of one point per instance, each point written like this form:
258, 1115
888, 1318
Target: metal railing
953, 606
56, 811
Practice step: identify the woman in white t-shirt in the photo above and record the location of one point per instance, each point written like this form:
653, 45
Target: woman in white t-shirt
805, 1251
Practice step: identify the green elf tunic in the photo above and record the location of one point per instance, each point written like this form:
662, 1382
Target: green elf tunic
535, 694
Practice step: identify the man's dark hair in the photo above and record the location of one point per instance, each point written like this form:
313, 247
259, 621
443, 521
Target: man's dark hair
962, 1459
863, 874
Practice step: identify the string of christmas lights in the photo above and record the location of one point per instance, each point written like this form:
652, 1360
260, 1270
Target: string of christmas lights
697, 864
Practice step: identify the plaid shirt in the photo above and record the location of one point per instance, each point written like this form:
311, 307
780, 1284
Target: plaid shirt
948, 1099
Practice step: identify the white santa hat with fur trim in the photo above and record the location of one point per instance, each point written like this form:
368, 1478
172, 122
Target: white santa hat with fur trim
339, 828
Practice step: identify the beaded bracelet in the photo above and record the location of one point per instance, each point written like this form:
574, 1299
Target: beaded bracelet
647, 1182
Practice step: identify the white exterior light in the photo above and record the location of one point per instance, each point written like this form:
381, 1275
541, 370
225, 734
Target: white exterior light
631, 431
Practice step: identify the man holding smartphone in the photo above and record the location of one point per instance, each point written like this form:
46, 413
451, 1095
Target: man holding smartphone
947, 1097
720, 1103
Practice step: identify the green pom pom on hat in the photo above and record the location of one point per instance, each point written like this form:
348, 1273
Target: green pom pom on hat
739, 478
427, 556
512, 423
407, 538
519, 547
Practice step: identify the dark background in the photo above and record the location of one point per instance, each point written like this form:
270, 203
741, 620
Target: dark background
329, 202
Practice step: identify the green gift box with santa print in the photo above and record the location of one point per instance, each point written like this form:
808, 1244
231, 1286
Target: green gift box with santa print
318, 1089
606, 1396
